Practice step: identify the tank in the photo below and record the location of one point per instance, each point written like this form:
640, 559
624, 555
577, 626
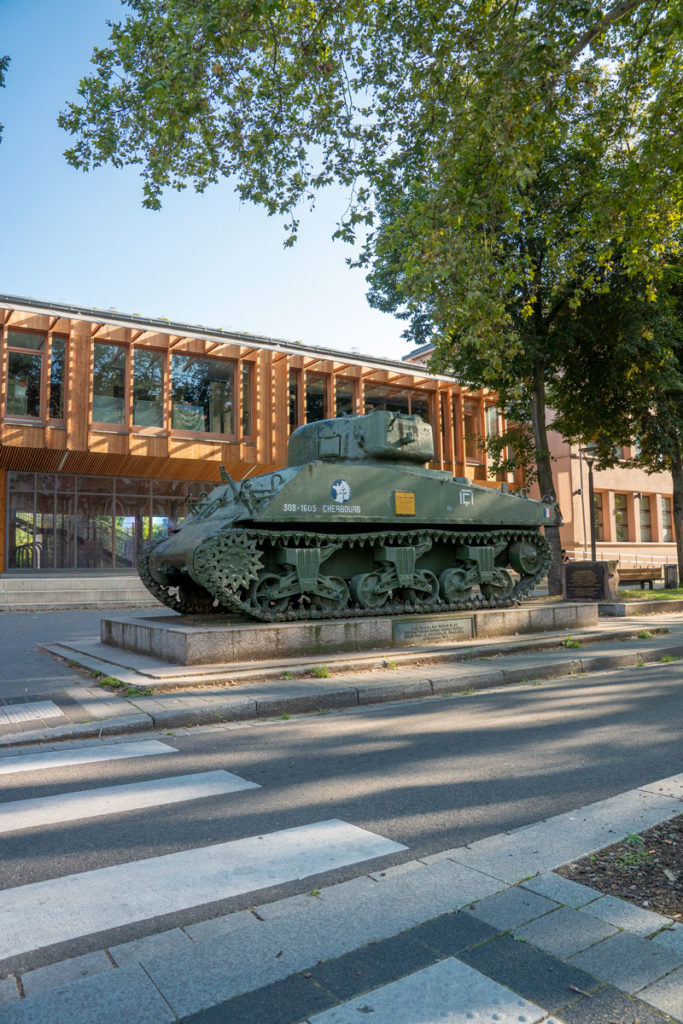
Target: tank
355, 524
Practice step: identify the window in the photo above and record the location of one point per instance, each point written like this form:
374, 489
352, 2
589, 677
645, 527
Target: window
26, 371
246, 398
316, 396
343, 397
645, 519
109, 383
457, 426
621, 517
203, 395
294, 399
445, 424
406, 400
472, 432
491, 416
57, 378
598, 516
148, 388
667, 521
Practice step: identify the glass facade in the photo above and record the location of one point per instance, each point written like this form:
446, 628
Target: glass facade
88, 522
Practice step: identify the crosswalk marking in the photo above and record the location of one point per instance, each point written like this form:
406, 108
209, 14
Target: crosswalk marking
450, 992
22, 814
30, 712
81, 755
41, 913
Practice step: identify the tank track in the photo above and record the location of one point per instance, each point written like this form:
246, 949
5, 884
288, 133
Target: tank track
237, 600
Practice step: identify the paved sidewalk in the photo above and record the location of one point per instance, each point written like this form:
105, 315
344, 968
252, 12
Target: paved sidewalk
80, 709
482, 933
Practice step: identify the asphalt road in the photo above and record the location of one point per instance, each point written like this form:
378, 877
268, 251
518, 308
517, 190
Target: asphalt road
427, 774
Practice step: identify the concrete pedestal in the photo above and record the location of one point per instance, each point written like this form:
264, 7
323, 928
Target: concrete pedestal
210, 640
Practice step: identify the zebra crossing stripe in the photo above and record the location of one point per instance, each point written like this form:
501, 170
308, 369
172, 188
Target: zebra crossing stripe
81, 755
42, 913
90, 803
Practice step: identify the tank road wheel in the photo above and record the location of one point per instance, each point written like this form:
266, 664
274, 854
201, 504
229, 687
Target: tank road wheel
454, 585
334, 596
524, 557
425, 589
500, 587
265, 592
365, 590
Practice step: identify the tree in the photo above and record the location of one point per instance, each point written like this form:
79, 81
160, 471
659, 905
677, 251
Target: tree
4, 64
624, 378
496, 155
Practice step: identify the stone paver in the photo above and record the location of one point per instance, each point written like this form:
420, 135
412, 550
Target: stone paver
149, 947
628, 962
667, 994
626, 915
65, 971
9, 993
513, 907
671, 937
529, 972
450, 992
563, 890
564, 932
608, 1006
108, 998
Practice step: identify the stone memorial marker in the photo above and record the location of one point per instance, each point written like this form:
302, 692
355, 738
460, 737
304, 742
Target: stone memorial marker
590, 581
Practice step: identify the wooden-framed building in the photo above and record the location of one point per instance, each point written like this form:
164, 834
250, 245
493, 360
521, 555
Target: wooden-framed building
109, 421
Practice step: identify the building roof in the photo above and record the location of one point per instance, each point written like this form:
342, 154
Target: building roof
164, 326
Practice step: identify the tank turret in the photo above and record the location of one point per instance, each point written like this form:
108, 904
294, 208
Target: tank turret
354, 524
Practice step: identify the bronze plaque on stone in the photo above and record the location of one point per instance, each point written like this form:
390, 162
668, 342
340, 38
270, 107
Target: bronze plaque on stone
437, 629
587, 581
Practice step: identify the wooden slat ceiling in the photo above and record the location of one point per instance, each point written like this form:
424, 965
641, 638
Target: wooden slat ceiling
41, 460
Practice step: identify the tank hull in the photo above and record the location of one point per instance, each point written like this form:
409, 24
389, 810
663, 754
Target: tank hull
364, 535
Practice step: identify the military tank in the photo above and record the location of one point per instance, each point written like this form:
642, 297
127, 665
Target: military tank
355, 524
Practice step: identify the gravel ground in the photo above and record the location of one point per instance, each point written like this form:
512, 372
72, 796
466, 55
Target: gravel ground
645, 869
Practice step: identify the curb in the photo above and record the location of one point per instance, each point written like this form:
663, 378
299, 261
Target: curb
269, 700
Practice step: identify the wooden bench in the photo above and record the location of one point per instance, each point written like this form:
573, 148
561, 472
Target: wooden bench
640, 574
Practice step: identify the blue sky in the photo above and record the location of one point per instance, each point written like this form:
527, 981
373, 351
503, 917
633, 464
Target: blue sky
84, 239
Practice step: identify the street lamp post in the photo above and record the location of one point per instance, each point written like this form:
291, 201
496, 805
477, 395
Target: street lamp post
589, 453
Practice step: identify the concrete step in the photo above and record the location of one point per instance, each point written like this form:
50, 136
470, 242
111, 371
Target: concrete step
63, 592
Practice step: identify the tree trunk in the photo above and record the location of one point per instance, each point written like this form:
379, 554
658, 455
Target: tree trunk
545, 473
677, 476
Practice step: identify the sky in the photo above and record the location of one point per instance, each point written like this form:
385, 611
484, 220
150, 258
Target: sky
84, 239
